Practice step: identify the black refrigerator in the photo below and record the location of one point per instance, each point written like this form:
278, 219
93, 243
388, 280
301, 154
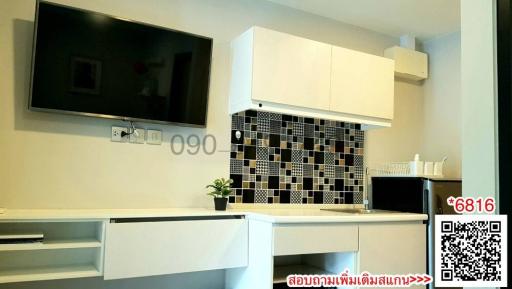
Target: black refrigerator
416, 195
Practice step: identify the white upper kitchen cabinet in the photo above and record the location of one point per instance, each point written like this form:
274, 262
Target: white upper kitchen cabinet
362, 84
290, 70
273, 70
282, 73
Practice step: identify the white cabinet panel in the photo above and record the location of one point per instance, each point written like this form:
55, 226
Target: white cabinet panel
290, 70
393, 248
157, 248
281, 73
312, 239
361, 84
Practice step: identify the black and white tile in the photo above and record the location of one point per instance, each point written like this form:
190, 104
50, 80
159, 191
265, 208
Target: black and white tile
298, 129
328, 197
296, 197
261, 167
260, 196
236, 166
290, 159
307, 170
297, 169
358, 197
274, 168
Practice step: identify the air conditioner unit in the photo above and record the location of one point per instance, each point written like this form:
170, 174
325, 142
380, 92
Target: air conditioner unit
409, 63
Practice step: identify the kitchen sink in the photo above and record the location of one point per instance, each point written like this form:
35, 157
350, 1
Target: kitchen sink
358, 211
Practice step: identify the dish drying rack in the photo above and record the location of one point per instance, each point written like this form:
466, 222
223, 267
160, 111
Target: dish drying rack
409, 169
392, 169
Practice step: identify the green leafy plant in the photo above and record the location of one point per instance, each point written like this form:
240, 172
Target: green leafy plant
221, 188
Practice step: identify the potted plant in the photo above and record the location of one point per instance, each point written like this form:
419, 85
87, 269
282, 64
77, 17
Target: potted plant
221, 190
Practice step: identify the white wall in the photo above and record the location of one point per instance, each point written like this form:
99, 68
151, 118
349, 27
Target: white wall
404, 138
479, 165
57, 161
427, 117
442, 104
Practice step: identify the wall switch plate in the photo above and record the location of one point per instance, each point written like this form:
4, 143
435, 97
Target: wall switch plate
154, 137
138, 136
116, 134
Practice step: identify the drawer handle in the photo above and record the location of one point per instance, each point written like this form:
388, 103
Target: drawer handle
174, 219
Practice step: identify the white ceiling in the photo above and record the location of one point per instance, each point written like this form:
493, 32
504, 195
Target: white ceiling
422, 18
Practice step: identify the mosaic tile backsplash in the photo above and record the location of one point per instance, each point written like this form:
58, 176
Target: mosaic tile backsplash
289, 159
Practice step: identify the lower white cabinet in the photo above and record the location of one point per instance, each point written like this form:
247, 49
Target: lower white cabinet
69, 249
136, 249
393, 248
256, 254
277, 250
292, 239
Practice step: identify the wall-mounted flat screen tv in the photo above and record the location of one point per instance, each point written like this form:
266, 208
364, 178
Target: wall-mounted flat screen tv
92, 64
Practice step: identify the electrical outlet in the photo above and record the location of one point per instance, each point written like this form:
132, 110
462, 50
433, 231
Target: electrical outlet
116, 134
138, 136
154, 137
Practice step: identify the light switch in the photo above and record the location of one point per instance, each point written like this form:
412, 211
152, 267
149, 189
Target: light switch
139, 136
154, 137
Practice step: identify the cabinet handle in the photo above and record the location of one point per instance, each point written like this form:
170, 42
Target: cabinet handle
174, 219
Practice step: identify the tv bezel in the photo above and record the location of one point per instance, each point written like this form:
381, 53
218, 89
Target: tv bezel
109, 116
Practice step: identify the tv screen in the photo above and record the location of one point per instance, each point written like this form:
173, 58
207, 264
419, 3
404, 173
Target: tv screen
92, 64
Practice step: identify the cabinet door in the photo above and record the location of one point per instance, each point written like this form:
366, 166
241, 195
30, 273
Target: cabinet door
157, 248
290, 70
313, 239
362, 84
394, 248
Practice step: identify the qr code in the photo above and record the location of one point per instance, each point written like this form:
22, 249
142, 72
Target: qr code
471, 251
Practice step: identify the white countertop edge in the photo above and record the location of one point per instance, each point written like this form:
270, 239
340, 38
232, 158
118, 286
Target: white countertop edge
102, 214
341, 218
309, 215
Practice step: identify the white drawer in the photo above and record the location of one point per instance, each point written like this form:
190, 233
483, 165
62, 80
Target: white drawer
165, 247
317, 238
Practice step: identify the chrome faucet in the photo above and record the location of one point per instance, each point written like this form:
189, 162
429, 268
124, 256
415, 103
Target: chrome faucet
365, 189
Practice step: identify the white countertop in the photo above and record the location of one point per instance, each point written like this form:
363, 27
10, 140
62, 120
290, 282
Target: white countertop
281, 215
91, 214
319, 216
